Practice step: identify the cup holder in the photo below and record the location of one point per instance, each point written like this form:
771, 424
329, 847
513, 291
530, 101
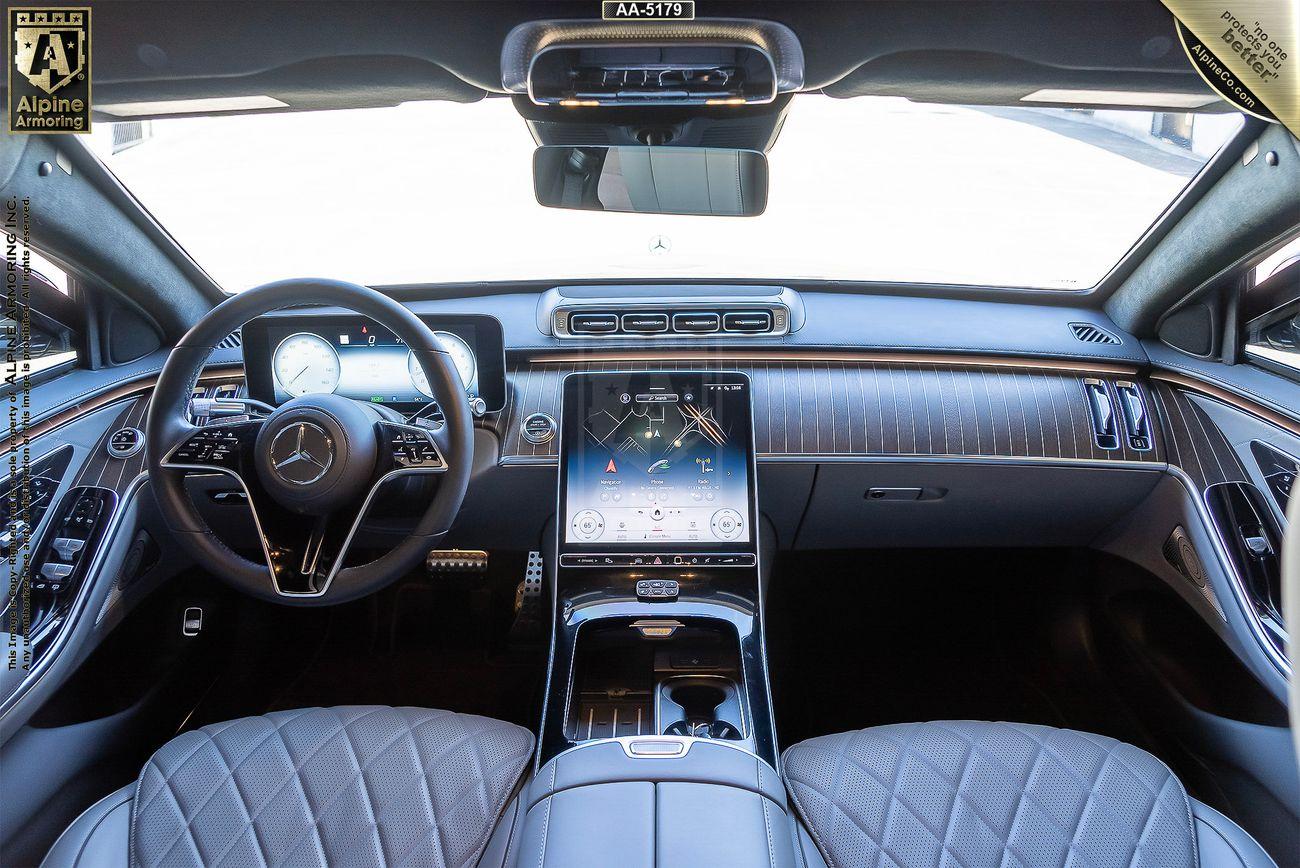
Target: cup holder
700, 707
697, 700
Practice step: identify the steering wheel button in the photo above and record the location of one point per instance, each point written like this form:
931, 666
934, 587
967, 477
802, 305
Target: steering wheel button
322, 456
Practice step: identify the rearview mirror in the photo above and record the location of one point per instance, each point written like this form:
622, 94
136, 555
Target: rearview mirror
652, 179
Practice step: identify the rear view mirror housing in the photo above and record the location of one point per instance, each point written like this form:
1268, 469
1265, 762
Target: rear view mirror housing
652, 179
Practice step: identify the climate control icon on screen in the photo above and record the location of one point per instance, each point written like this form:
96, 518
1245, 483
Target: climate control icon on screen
726, 524
588, 524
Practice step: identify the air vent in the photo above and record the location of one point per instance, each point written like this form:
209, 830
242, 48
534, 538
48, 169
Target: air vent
669, 322
231, 341
1090, 334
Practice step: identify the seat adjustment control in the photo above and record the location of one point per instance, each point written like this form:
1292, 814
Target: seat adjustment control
62, 557
53, 577
67, 547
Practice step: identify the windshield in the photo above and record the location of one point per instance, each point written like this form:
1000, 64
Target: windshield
865, 189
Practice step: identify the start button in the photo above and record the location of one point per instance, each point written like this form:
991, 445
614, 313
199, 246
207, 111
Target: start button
538, 428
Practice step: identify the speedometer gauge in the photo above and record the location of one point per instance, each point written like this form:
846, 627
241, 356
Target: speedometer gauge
306, 364
460, 353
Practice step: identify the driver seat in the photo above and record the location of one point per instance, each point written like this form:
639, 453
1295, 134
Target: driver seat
353, 785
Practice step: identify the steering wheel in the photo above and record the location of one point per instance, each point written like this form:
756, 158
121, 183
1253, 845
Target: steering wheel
311, 469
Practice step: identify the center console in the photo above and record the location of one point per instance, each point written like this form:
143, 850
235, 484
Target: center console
657, 739
658, 625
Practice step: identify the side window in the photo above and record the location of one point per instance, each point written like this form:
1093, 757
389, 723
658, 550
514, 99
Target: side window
1286, 255
40, 339
1272, 312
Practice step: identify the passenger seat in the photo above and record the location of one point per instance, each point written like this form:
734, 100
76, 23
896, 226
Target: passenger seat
975, 794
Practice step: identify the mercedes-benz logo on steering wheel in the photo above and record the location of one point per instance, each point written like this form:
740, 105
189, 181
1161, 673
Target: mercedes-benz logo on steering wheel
302, 453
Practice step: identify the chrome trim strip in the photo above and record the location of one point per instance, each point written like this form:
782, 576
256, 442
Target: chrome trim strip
625, 742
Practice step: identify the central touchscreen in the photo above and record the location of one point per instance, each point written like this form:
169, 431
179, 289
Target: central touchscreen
658, 458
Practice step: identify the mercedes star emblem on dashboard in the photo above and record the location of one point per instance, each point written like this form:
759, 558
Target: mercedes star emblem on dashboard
302, 453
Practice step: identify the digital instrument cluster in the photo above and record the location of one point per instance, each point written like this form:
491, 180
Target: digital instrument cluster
355, 357
657, 459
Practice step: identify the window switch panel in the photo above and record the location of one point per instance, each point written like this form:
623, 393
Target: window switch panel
68, 548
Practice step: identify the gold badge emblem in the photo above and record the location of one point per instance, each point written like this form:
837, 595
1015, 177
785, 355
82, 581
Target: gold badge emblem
49, 70
50, 47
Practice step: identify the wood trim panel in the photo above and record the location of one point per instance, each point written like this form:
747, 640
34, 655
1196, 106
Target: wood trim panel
1192, 441
860, 408
760, 355
104, 470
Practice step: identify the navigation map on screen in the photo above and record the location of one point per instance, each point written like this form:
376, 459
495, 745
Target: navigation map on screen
658, 458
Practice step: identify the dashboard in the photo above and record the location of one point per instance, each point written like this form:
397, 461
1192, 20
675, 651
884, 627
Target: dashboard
653, 459
353, 356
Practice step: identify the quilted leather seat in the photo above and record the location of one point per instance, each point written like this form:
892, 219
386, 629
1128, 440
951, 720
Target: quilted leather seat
355, 786
969, 794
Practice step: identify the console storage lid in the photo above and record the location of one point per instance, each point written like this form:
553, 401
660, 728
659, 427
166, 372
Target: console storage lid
643, 801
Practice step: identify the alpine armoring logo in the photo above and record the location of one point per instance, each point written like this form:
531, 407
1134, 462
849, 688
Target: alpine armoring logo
49, 70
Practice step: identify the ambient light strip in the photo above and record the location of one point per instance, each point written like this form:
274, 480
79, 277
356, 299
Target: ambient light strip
1245, 405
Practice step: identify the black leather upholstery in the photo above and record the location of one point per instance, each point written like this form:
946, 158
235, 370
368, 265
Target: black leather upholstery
992, 794
325, 786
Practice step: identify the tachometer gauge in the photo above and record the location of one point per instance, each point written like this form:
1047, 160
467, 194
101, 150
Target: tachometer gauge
306, 364
461, 354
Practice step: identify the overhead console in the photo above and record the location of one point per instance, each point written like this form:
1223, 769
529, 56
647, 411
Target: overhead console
681, 312
705, 62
